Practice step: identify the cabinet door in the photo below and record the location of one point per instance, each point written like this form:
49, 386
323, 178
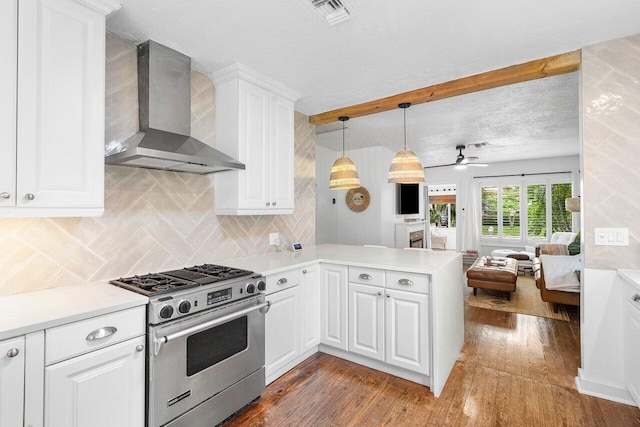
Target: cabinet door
60, 148
366, 320
407, 330
309, 307
282, 329
333, 305
11, 382
104, 388
254, 146
632, 349
281, 169
8, 81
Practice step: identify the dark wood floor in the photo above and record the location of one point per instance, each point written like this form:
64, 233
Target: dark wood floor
515, 370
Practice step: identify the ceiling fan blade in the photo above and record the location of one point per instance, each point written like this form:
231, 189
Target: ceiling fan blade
471, 158
478, 165
439, 166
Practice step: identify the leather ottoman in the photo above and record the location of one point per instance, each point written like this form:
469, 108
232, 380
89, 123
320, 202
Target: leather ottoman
498, 274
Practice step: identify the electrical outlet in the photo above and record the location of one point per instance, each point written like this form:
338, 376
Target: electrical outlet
274, 239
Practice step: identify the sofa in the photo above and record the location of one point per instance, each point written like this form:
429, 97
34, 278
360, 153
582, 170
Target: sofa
556, 296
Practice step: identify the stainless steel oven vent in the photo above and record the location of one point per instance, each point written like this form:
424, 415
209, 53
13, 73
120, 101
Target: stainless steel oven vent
331, 12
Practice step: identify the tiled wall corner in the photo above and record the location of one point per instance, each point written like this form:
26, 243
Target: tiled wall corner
611, 149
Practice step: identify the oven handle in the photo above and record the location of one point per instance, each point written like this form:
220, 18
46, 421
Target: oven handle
158, 341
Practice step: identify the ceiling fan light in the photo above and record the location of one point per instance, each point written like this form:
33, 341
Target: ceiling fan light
406, 168
343, 175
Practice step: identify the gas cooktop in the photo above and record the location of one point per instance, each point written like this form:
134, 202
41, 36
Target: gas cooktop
176, 280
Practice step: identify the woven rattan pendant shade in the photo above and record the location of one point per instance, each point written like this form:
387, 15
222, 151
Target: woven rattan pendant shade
344, 174
406, 167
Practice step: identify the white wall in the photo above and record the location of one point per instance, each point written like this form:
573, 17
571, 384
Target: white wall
337, 223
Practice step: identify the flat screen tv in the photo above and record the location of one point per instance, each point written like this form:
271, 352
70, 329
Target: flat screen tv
408, 198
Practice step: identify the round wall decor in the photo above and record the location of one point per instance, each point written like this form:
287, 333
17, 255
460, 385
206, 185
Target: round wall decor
358, 199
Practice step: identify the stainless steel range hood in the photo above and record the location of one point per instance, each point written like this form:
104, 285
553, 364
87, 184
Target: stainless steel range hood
164, 141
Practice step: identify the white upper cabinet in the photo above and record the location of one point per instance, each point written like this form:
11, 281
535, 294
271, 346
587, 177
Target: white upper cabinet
254, 124
8, 92
58, 144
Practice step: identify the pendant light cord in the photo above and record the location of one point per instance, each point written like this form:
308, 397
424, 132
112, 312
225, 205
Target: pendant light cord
404, 111
343, 138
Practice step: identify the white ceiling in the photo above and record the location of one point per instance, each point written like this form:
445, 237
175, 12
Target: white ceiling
390, 47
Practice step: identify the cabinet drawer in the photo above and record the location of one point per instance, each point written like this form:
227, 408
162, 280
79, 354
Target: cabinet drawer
66, 341
411, 282
279, 281
366, 276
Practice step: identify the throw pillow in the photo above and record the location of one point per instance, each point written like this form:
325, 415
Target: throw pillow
560, 272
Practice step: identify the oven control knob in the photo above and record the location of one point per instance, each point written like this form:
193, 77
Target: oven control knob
184, 307
262, 286
251, 288
166, 312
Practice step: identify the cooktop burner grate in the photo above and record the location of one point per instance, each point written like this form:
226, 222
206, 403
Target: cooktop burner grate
172, 281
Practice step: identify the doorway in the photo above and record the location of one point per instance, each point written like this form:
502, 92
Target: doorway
441, 224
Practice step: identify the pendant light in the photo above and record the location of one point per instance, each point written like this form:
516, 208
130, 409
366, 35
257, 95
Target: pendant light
344, 174
406, 167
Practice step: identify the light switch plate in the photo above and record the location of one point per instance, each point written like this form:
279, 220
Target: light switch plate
611, 236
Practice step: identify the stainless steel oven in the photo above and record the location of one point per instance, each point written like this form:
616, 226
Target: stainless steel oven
205, 343
205, 367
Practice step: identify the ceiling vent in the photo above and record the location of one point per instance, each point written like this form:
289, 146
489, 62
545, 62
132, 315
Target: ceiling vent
331, 11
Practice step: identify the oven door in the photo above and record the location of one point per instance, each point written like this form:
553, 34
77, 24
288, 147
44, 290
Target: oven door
193, 359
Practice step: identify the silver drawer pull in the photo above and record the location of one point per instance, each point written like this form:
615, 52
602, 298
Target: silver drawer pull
405, 282
101, 333
636, 298
365, 276
13, 352
5, 195
282, 281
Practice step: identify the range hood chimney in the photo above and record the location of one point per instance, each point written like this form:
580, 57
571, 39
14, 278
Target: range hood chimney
164, 141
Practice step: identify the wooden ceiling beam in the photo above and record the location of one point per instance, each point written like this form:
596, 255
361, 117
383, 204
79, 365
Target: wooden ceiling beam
532, 70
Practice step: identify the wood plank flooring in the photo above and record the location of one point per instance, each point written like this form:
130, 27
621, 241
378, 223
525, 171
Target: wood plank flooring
515, 370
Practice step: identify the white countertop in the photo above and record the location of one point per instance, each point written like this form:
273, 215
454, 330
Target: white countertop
33, 311
631, 276
410, 260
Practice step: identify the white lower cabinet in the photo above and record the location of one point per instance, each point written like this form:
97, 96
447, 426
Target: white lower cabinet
101, 388
282, 329
334, 305
366, 320
12, 370
309, 307
407, 330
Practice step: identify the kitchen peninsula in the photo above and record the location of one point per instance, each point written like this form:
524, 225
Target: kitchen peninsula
395, 310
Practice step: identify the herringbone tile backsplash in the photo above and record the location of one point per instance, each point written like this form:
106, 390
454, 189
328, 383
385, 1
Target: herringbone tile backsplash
153, 220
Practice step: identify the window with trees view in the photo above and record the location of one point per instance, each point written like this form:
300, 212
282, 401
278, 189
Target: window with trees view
529, 210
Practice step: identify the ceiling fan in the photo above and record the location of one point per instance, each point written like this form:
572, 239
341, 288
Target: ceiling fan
461, 161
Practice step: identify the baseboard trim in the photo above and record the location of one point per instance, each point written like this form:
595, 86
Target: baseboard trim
603, 391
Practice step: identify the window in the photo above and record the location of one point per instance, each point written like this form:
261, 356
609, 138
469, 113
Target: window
529, 210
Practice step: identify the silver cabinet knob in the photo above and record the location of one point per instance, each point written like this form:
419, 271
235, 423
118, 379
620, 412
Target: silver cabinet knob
268, 204
139, 348
13, 352
388, 296
304, 271
29, 196
379, 294
5, 195
273, 203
